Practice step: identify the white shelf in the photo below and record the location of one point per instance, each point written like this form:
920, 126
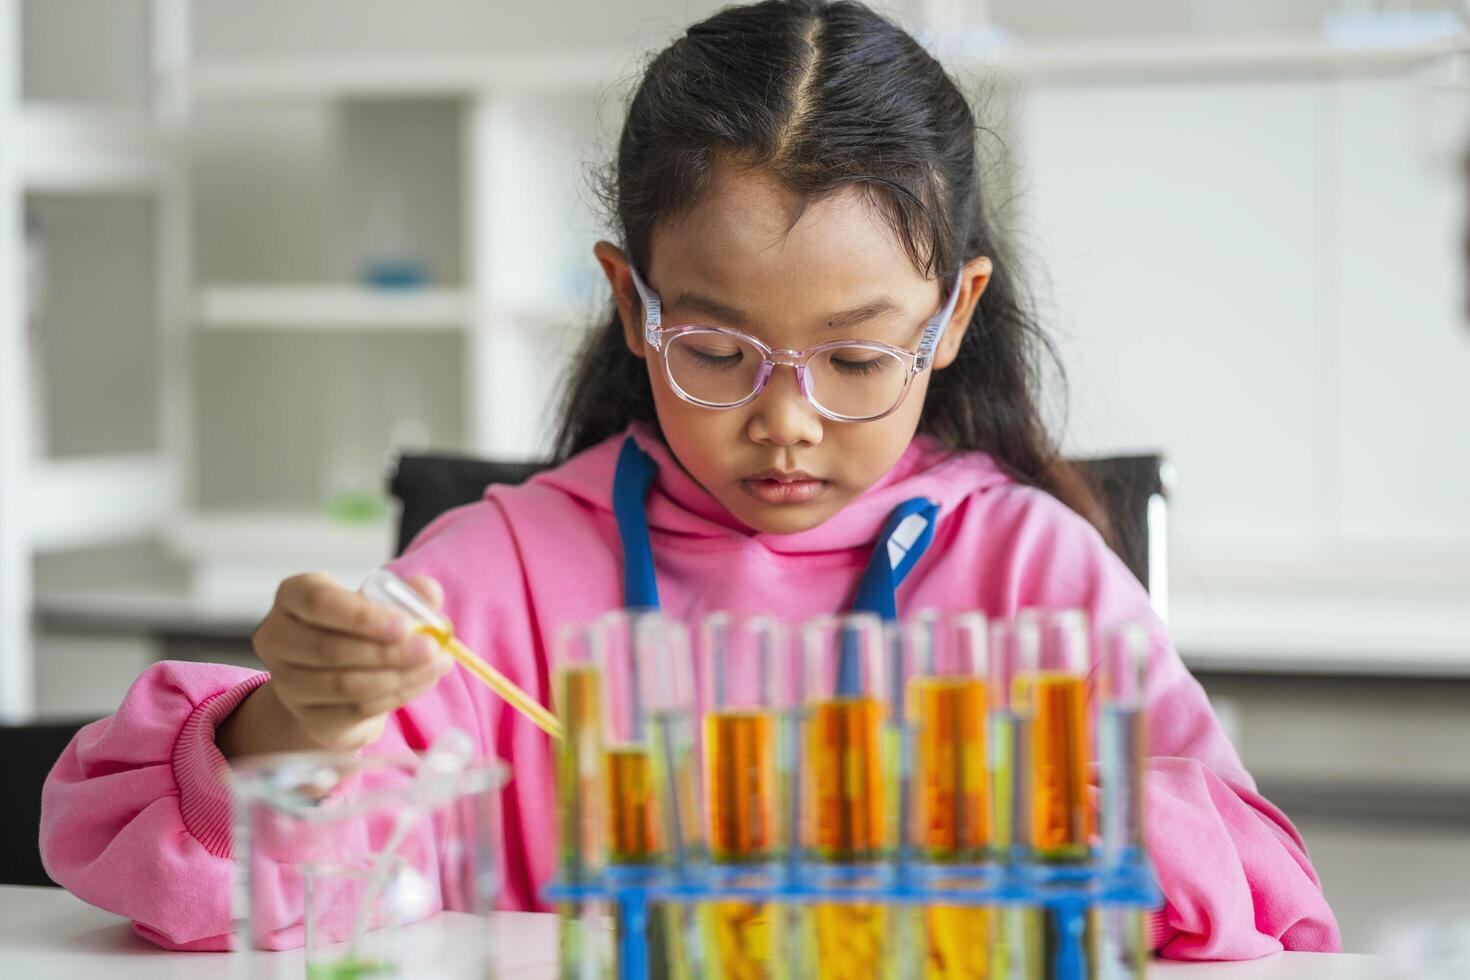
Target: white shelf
557, 316
453, 76
66, 149
270, 536
90, 500
1186, 56
243, 556
263, 306
1338, 617
588, 71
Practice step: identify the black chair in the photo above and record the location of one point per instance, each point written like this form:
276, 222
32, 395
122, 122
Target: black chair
27, 753
1133, 490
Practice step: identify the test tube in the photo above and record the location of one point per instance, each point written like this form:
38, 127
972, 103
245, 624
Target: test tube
1122, 752
744, 665
945, 661
1012, 651
1018, 952
577, 696
651, 765
1122, 739
847, 765
652, 770
1051, 696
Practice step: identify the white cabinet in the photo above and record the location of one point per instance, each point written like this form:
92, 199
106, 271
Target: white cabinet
87, 180
310, 372
1402, 401
1255, 263
1176, 226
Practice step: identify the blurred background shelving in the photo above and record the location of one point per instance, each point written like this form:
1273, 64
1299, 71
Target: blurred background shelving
315, 240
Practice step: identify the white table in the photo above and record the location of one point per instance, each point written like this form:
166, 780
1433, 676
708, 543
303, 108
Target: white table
45, 933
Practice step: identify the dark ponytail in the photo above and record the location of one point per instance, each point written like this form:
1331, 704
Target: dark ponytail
827, 96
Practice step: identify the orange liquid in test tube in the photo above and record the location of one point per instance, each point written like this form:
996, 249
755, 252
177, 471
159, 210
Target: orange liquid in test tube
740, 760
952, 805
844, 753
952, 815
1061, 824
633, 837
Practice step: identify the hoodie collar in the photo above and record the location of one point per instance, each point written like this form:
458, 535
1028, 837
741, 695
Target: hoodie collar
678, 505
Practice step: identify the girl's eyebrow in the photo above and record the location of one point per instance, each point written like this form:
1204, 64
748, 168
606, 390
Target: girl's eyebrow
699, 303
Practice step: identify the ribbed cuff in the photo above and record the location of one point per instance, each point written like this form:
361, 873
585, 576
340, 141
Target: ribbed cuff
199, 768
1158, 929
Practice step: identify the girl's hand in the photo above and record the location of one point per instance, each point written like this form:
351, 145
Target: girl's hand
339, 664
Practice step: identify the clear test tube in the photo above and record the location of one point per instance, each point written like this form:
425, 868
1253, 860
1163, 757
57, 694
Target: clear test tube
747, 691
1012, 652
652, 775
945, 664
1122, 738
847, 813
1018, 950
577, 697
652, 767
1122, 755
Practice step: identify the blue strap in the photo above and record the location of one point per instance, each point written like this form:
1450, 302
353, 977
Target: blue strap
906, 534
903, 539
634, 475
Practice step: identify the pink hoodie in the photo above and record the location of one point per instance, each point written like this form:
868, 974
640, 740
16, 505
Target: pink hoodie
134, 818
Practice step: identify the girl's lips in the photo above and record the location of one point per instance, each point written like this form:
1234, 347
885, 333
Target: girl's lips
772, 491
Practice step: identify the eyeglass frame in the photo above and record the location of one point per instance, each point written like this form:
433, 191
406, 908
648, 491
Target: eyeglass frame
918, 360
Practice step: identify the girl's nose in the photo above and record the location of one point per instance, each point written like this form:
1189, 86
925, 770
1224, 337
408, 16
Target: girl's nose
781, 415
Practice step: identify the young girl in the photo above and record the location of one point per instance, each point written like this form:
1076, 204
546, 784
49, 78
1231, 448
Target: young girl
799, 180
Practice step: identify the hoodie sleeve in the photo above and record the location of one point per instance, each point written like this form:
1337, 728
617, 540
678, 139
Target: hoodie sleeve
1235, 874
134, 816
137, 819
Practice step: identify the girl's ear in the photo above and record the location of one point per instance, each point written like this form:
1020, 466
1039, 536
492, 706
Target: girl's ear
620, 276
974, 277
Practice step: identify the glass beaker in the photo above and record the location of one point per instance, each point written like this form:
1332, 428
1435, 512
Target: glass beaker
337, 853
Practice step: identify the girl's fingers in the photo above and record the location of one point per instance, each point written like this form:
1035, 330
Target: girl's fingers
329, 719
286, 640
305, 687
429, 589
318, 601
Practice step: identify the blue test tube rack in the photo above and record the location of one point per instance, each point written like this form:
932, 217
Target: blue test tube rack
1066, 891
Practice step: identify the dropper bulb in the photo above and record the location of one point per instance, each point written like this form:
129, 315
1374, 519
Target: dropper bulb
386, 588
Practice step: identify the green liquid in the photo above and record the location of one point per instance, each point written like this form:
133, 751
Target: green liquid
347, 968
1002, 775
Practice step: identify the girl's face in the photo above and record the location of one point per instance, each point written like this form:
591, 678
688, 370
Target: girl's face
743, 258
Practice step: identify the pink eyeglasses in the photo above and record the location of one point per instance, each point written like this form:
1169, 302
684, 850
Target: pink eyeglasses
844, 380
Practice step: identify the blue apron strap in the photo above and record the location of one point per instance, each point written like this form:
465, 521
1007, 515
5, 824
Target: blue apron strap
906, 534
634, 475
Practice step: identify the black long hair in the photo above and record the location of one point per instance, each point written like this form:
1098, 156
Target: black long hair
827, 96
